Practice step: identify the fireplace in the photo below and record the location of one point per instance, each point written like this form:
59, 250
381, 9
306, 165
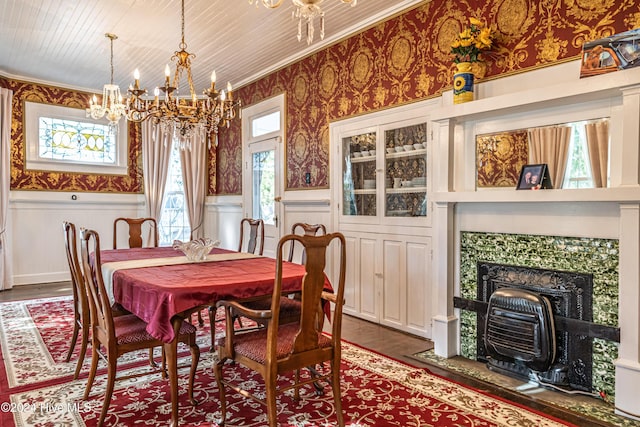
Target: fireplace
517, 334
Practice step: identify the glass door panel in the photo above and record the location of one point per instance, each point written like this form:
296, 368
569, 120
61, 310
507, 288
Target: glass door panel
406, 171
263, 186
359, 175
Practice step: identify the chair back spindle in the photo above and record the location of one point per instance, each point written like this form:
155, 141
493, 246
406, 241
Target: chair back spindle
256, 235
135, 229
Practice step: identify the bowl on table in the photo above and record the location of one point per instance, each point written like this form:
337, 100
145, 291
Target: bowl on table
196, 250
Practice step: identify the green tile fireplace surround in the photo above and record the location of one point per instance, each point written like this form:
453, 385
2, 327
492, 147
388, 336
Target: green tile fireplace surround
585, 255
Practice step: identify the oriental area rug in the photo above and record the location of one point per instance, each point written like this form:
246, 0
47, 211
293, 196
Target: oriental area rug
37, 386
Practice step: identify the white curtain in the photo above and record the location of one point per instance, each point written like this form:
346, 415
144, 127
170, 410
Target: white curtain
6, 96
598, 144
156, 153
550, 145
194, 175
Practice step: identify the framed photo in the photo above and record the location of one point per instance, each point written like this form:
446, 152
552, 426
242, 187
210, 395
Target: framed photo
534, 177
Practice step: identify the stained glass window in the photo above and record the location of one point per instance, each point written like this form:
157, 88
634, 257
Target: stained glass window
64, 139
72, 140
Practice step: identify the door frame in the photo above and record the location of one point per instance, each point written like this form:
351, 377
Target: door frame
268, 106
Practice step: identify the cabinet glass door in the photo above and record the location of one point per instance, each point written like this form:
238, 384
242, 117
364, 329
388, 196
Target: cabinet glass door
359, 175
406, 171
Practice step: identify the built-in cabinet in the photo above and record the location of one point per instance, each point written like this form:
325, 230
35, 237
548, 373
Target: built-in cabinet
381, 183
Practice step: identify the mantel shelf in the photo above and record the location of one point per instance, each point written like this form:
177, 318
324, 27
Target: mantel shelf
593, 195
582, 90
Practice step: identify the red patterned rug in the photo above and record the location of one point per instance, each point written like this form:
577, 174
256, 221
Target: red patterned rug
37, 387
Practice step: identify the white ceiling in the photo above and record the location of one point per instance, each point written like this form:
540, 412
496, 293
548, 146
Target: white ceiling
63, 41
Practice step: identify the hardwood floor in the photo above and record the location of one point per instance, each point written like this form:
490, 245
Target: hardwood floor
389, 342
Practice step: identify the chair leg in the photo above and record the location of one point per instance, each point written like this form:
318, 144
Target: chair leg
200, 319
74, 339
217, 370
111, 379
93, 369
212, 327
272, 411
83, 351
335, 386
152, 362
195, 357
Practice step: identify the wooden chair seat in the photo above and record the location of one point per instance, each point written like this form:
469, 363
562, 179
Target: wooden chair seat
252, 345
130, 329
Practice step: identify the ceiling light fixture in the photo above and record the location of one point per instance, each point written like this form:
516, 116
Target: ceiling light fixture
111, 105
307, 11
182, 116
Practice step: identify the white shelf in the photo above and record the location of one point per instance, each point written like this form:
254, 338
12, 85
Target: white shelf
420, 152
363, 159
365, 191
582, 90
620, 194
404, 190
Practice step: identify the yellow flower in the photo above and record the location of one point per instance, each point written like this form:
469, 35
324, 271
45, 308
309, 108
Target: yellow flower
476, 22
472, 41
466, 42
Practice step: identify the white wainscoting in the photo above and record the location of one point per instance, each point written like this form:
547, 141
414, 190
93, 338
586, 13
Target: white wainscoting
35, 228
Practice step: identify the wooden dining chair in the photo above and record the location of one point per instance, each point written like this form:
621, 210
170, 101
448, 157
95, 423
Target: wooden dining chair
81, 321
122, 334
135, 227
290, 304
256, 234
278, 349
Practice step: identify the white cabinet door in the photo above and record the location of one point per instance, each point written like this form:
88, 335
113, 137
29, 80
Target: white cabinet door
418, 288
369, 294
393, 295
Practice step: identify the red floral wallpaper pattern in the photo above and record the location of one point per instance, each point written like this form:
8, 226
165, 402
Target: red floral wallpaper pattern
24, 179
405, 59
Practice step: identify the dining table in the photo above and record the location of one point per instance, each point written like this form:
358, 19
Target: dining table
162, 287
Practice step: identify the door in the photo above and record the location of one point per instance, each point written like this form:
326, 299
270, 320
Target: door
263, 190
262, 175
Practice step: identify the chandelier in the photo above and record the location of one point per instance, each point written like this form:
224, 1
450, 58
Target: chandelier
306, 11
111, 106
183, 116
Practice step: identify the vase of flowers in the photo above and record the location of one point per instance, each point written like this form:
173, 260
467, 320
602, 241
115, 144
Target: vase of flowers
467, 49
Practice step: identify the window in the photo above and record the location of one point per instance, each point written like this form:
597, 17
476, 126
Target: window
174, 221
263, 125
63, 139
578, 173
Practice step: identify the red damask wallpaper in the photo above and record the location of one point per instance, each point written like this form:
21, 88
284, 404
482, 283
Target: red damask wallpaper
404, 59
23, 179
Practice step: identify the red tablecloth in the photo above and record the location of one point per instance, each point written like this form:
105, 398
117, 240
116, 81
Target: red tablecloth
156, 294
